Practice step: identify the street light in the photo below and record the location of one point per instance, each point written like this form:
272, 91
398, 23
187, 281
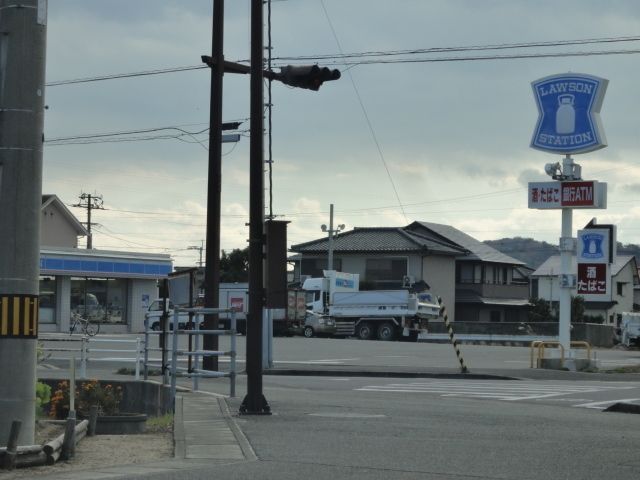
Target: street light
331, 232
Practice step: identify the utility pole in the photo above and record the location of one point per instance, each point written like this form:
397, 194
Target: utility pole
254, 402
331, 232
200, 249
22, 77
214, 187
90, 202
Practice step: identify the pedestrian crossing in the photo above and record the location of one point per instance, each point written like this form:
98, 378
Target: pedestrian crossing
507, 390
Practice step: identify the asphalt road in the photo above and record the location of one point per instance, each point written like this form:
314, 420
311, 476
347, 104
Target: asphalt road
544, 424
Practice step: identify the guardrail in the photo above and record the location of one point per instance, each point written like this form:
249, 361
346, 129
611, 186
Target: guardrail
540, 345
193, 371
85, 350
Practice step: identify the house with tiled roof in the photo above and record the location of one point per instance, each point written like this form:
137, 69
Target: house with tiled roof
475, 281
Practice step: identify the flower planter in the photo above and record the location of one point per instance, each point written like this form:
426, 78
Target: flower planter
121, 424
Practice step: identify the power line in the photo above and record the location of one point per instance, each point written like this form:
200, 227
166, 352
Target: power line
407, 52
366, 116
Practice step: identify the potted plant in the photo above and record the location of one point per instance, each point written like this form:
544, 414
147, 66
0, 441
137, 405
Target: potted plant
106, 397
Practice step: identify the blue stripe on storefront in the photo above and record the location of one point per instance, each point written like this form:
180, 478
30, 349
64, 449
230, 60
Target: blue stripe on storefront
105, 267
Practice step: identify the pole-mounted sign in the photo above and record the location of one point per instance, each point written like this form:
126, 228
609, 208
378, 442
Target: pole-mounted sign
569, 113
569, 123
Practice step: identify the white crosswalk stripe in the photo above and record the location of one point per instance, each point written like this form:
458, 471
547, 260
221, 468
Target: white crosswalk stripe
500, 390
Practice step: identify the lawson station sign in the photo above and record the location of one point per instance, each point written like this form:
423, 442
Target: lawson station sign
569, 113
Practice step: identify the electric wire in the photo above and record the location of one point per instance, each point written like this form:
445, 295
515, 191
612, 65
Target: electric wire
335, 58
366, 115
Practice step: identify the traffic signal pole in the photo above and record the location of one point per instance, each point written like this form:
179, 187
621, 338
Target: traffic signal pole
22, 77
254, 402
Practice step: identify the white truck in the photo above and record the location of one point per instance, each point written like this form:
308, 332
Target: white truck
369, 314
630, 329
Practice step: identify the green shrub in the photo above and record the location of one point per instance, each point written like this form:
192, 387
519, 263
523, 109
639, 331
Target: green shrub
43, 397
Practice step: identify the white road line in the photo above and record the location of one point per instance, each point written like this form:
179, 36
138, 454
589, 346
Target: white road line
606, 403
507, 391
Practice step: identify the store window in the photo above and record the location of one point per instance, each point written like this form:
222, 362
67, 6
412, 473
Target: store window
47, 300
99, 299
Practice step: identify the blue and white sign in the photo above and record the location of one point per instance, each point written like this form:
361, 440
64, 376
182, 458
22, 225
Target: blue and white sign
569, 113
593, 245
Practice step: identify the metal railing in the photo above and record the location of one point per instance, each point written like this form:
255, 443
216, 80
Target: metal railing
84, 354
193, 370
540, 346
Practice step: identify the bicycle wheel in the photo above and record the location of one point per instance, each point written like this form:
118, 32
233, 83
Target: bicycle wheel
92, 329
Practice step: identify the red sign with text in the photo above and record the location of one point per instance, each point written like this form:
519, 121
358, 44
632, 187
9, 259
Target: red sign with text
592, 279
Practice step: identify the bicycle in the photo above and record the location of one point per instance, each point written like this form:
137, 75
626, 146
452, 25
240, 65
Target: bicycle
86, 326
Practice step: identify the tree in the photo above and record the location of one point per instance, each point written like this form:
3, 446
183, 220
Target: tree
540, 312
577, 309
234, 266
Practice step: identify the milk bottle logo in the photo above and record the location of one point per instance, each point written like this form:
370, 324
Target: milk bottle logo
569, 113
592, 246
565, 115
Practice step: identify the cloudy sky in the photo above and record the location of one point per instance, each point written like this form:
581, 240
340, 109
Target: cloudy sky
398, 138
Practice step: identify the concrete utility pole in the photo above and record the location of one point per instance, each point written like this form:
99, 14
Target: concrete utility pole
331, 232
22, 77
90, 202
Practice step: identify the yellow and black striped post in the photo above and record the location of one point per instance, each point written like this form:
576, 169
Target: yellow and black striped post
452, 337
18, 316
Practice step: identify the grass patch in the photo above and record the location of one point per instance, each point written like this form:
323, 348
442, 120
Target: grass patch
161, 424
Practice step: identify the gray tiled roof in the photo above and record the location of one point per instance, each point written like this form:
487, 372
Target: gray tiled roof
479, 250
378, 239
551, 266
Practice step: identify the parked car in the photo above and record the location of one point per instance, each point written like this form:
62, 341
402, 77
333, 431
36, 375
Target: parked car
316, 324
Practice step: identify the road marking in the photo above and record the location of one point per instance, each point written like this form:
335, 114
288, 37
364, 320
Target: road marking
499, 390
347, 415
606, 403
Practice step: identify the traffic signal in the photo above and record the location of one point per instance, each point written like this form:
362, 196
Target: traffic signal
307, 76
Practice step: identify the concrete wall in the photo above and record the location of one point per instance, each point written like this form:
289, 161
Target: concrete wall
440, 273
55, 230
135, 309
597, 335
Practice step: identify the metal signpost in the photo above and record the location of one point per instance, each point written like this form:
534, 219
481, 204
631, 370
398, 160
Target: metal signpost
568, 123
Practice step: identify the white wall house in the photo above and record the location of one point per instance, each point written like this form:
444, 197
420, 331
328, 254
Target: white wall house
107, 287
624, 279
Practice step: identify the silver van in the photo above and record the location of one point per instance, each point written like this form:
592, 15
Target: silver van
315, 324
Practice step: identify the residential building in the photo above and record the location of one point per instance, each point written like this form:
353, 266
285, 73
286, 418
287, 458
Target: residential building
624, 282
109, 287
476, 282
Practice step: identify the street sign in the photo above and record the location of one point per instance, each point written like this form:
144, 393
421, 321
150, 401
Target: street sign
569, 113
594, 246
594, 281
580, 194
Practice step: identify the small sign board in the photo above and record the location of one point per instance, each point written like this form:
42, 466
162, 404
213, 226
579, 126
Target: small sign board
569, 113
594, 246
594, 281
575, 194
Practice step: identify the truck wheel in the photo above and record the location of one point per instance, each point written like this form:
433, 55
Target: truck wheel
364, 331
387, 331
308, 332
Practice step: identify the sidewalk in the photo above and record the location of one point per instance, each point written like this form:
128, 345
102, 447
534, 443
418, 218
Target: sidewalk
204, 429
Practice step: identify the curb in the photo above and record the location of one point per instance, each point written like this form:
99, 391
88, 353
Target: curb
383, 374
